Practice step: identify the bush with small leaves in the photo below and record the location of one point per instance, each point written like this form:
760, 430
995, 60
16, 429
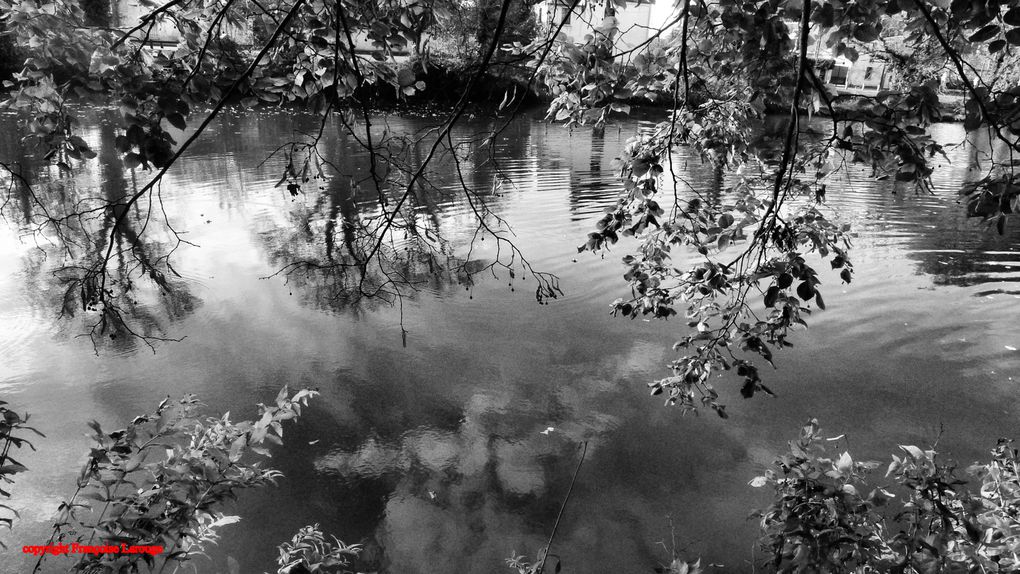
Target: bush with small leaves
162, 481
309, 552
826, 518
11, 425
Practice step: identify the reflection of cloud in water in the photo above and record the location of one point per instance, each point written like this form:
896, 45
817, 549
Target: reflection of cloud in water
493, 484
519, 464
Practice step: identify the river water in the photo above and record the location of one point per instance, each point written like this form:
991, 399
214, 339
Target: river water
438, 455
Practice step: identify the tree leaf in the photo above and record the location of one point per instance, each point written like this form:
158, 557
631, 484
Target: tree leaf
177, 121
845, 464
1012, 17
984, 34
12, 468
805, 291
405, 77
132, 160
913, 451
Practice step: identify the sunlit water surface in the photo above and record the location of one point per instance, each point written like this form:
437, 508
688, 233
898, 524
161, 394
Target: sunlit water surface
433, 455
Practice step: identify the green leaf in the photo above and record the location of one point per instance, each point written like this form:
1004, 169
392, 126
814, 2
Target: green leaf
12, 468
984, 34
913, 451
960, 8
77, 142
866, 33
805, 291
405, 77
1012, 17
845, 464
177, 121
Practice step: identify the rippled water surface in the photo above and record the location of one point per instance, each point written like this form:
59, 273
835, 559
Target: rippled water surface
433, 455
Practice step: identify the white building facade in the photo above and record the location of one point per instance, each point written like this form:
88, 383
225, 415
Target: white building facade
635, 21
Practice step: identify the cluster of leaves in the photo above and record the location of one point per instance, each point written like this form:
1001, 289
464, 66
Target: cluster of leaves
323, 56
12, 425
991, 28
827, 517
146, 143
729, 65
456, 43
163, 479
522, 566
741, 245
586, 80
309, 552
678, 565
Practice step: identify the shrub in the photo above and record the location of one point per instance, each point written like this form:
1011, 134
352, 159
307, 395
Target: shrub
310, 553
161, 481
825, 517
11, 425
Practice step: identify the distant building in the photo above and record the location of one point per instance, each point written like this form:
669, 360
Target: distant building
866, 76
126, 14
634, 21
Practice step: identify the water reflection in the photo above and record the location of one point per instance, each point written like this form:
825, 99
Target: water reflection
65, 225
435, 455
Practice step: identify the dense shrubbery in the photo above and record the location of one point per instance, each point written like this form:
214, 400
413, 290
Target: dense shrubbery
827, 516
162, 480
160, 484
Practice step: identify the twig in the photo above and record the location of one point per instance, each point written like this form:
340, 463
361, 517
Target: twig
563, 507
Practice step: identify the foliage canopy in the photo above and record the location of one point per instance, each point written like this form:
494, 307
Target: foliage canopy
736, 80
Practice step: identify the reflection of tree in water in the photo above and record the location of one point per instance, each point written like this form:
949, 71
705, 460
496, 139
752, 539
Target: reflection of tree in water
963, 253
957, 250
333, 249
349, 246
71, 220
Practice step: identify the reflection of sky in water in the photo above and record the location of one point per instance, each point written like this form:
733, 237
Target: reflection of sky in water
433, 455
